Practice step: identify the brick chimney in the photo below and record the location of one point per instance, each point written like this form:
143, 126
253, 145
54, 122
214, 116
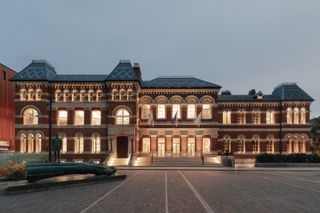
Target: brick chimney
136, 68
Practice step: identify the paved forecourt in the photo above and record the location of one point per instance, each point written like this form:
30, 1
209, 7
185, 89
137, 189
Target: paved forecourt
180, 191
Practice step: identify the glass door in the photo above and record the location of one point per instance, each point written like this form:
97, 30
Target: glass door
161, 147
176, 147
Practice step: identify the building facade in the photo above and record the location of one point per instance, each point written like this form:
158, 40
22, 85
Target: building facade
7, 109
177, 117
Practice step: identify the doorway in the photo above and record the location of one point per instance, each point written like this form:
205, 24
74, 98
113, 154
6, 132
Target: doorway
176, 147
191, 147
122, 147
161, 147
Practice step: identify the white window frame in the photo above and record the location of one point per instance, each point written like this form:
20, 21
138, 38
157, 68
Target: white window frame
161, 111
191, 111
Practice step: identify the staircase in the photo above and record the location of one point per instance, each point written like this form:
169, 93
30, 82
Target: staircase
118, 161
212, 160
182, 162
142, 161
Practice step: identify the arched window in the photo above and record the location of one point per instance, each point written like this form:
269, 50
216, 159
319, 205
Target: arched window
30, 116
227, 143
256, 118
74, 95
270, 117
64, 148
296, 115
145, 114
78, 143
82, 95
38, 143
96, 143
270, 144
99, 95
38, 94
30, 94
66, 95
115, 95
23, 95
57, 95
241, 117
30, 143
122, 117
123, 95
241, 145
129, 94
255, 144
303, 116
91, 95
289, 115
23, 143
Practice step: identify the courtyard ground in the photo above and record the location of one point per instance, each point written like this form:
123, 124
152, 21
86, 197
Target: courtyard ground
180, 191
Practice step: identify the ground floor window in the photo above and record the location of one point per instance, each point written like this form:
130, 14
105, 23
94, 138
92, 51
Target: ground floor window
206, 145
241, 146
191, 147
78, 144
161, 147
256, 146
176, 147
226, 144
269, 146
64, 144
146, 145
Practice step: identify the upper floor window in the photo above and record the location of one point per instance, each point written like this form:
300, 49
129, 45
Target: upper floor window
91, 95
270, 117
289, 115
57, 95
79, 117
296, 115
241, 117
206, 111
115, 95
96, 117
145, 111
129, 94
30, 116
176, 110
4, 74
31, 94
122, 117
256, 118
161, 112
74, 95
82, 95
66, 95
23, 95
241, 145
99, 95
255, 145
226, 117
123, 95
38, 94
191, 111
62, 117
303, 115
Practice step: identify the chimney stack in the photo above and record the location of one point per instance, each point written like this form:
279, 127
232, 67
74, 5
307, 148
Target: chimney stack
136, 68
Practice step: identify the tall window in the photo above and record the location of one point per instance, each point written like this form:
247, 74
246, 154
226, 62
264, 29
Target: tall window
30, 116
96, 144
122, 117
256, 117
255, 145
23, 95
4, 74
289, 115
66, 95
176, 110
99, 95
31, 95
96, 117
38, 143
129, 94
78, 144
303, 116
82, 95
270, 145
206, 111
75, 95
270, 117
91, 95
30, 143
62, 117
191, 111
64, 143
206, 145
226, 117
115, 95
161, 112
241, 145
79, 117
23, 143
145, 111
241, 117
296, 115
57, 95
123, 95
226, 143
146, 145
38, 94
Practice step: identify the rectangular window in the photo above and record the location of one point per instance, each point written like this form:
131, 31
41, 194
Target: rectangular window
256, 117
62, 117
270, 117
145, 111
161, 113
79, 117
206, 111
191, 113
241, 117
176, 110
206, 145
226, 117
96, 117
146, 145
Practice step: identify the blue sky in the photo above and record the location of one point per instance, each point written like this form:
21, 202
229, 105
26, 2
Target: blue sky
237, 44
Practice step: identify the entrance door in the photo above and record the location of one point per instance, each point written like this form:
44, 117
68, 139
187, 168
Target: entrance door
206, 145
176, 147
191, 147
161, 147
122, 147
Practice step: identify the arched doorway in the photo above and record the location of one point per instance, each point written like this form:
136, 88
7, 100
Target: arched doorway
122, 147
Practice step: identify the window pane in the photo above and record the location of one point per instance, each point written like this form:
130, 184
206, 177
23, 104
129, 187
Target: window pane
96, 117
161, 111
79, 117
191, 113
206, 111
145, 111
62, 117
146, 145
176, 110
122, 117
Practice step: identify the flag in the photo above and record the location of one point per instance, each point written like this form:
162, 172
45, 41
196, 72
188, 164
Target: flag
175, 119
198, 119
150, 119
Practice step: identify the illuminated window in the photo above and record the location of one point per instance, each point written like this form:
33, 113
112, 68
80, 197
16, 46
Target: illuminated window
78, 144
255, 145
38, 94
62, 117
226, 117
176, 110
115, 95
31, 95
75, 95
146, 145
161, 147
30, 143
96, 117
91, 95
226, 144
191, 147
122, 117
241, 117
66, 95
206, 111
256, 118
79, 117
57, 95
161, 112
38, 142
30, 116
289, 115
176, 147
145, 111
82, 95
23, 143
296, 115
123, 95
270, 117
64, 143
96, 144
303, 115
129, 94
99, 95
23, 95
191, 111
206, 145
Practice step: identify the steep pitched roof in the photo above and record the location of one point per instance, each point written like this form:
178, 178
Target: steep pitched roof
123, 72
80, 78
291, 92
245, 98
178, 82
37, 70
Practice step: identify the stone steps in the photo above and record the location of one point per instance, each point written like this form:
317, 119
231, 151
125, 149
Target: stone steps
197, 161
118, 161
142, 161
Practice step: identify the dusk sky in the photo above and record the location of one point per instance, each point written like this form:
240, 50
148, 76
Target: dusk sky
239, 45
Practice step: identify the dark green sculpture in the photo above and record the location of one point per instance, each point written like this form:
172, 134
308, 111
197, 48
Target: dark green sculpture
56, 144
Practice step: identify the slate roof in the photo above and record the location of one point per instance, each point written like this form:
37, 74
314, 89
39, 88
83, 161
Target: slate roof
178, 82
245, 98
291, 92
80, 78
123, 72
